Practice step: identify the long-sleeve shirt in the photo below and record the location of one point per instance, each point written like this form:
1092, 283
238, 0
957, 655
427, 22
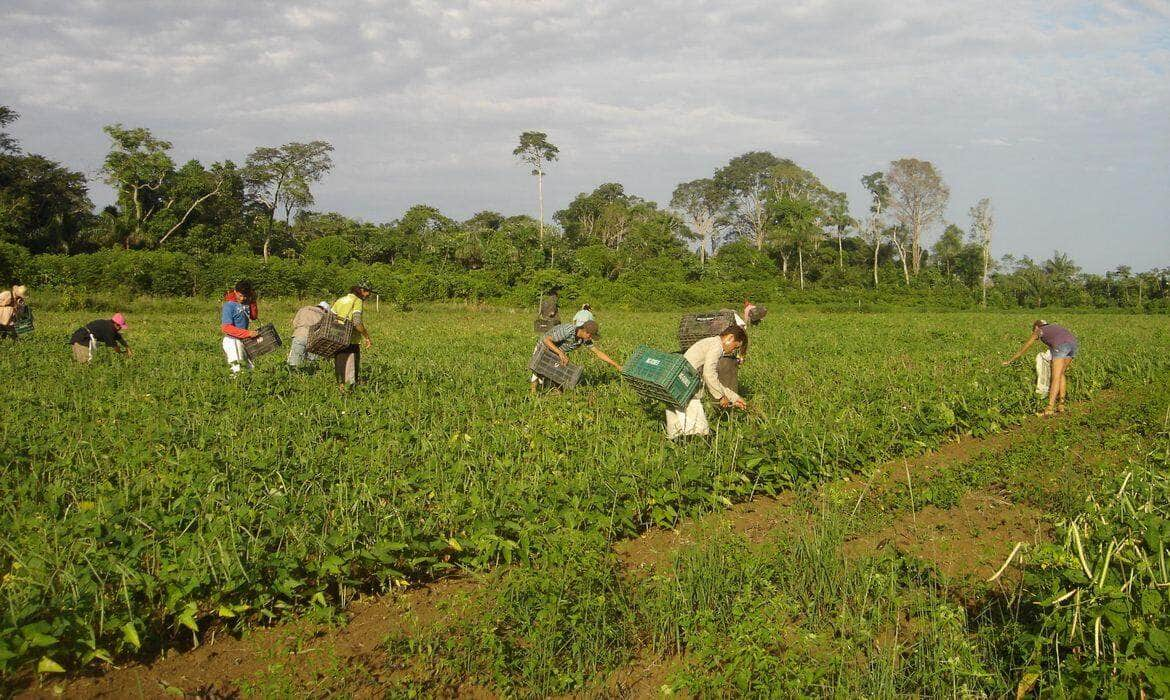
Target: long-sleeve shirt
305, 318
103, 331
704, 356
233, 320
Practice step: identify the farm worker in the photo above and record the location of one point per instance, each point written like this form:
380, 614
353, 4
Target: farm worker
566, 338
12, 302
585, 314
347, 361
239, 308
107, 331
704, 356
550, 311
753, 312
1063, 345
305, 318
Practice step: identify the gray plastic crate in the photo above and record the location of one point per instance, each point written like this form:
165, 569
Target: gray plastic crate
546, 364
266, 342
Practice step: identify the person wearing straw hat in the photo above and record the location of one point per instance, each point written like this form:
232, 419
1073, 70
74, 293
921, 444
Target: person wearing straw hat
107, 331
347, 361
12, 303
305, 318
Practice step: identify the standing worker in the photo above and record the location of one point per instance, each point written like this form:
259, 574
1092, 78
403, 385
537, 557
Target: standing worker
305, 318
239, 308
705, 356
1063, 345
550, 310
12, 306
107, 331
566, 338
347, 361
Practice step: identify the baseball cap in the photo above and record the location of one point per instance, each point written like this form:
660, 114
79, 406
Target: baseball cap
325, 305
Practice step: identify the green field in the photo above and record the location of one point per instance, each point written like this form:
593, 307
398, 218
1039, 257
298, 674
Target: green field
144, 499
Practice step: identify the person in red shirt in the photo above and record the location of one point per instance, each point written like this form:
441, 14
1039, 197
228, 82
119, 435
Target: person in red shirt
239, 308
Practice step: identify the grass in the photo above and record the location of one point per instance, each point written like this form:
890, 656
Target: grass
147, 499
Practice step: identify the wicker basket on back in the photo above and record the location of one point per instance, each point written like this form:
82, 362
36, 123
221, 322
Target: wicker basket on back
329, 335
694, 327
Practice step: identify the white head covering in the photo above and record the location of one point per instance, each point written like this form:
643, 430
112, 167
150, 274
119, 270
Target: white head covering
325, 305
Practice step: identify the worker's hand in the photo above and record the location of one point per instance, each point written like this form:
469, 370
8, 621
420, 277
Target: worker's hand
129, 353
563, 357
740, 404
253, 334
368, 343
741, 360
724, 402
1008, 361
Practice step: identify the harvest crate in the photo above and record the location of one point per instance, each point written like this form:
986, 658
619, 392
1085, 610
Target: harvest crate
546, 364
662, 376
330, 334
544, 325
694, 327
266, 342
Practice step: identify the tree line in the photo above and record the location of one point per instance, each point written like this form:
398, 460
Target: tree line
760, 222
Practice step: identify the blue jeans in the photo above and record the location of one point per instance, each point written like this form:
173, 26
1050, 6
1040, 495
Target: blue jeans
298, 353
1068, 350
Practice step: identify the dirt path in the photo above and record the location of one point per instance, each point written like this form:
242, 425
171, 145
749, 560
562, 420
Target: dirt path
969, 540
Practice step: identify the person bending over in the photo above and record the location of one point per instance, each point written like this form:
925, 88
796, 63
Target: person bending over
1063, 345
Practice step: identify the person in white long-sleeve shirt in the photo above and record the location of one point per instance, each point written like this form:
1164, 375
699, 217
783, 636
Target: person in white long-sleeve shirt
704, 356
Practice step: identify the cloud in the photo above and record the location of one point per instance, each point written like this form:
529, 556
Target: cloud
424, 99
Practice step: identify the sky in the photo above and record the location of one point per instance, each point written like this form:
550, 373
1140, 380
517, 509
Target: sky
1058, 111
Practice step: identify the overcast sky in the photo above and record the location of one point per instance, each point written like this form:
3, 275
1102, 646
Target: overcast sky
1058, 111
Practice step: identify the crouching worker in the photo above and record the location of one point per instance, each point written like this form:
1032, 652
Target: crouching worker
566, 338
705, 356
13, 303
305, 318
239, 308
347, 361
107, 331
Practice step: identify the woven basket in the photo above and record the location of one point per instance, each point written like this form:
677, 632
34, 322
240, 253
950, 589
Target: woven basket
329, 335
694, 327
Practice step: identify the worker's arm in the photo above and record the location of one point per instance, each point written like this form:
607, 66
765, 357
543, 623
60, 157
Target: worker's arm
605, 358
548, 343
1024, 349
726, 396
360, 327
238, 333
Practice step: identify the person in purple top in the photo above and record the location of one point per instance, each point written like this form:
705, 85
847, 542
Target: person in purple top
1063, 345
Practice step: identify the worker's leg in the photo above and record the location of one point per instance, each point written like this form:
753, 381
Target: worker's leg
237, 359
1058, 365
345, 365
1063, 386
296, 352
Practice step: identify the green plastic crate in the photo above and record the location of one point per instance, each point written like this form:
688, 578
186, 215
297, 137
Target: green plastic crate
662, 376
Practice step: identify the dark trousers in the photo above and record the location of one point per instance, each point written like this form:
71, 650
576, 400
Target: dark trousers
728, 371
347, 364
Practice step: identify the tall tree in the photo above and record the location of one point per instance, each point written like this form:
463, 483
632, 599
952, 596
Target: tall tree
8, 143
982, 224
535, 150
746, 179
919, 197
838, 218
138, 166
283, 177
947, 249
796, 205
704, 205
873, 231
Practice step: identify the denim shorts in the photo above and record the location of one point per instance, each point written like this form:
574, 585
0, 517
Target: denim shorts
1068, 350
